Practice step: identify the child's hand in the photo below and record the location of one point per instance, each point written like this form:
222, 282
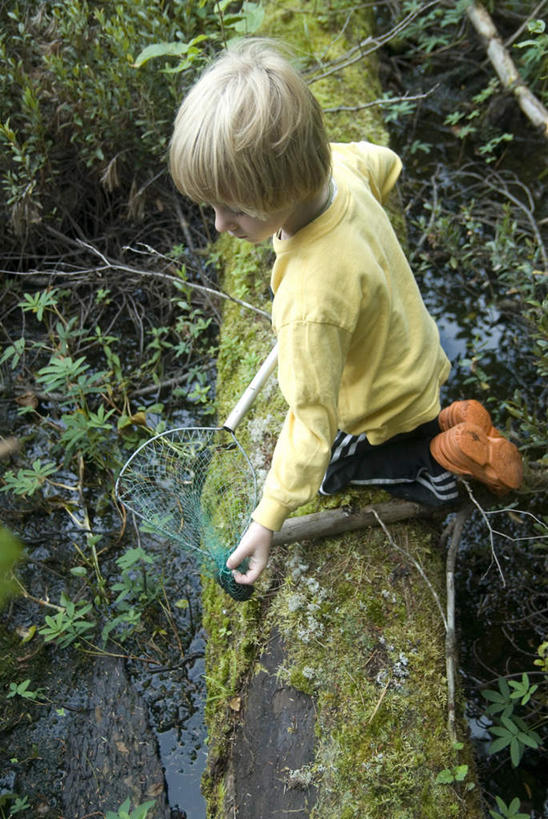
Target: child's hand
255, 545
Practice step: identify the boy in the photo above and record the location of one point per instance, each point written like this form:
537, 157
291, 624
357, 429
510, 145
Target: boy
360, 361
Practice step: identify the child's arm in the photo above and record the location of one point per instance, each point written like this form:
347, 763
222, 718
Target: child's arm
255, 545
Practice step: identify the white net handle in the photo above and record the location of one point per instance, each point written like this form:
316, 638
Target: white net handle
252, 391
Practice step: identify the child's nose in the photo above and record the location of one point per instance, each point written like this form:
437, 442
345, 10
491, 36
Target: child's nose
224, 220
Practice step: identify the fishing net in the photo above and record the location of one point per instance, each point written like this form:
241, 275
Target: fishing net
196, 486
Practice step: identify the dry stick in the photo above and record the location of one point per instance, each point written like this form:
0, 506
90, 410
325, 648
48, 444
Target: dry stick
503, 64
483, 513
450, 634
448, 618
532, 16
168, 277
111, 264
28, 596
336, 521
385, 101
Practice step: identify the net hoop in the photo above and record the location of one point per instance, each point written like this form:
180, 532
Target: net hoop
167, 483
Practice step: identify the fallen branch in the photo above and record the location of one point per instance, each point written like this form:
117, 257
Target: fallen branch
113, 264
336, 521
503, 64
451, 654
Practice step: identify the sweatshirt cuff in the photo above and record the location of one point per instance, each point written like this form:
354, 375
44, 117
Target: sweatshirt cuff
270, 514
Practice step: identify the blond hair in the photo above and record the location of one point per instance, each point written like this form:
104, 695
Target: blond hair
250, 134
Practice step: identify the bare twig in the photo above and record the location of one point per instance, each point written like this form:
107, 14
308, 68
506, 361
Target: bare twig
536, 11
38, 600
482, 512
112, 264
378, 703
336, 521
385, 101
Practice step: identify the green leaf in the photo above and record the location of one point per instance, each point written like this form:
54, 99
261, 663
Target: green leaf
499, 744
493, 696
509, 724
536, 26
515, 752
252, 16
445, 777
173, 49
527, 739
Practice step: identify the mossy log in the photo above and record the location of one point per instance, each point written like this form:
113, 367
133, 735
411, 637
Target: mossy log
327, 691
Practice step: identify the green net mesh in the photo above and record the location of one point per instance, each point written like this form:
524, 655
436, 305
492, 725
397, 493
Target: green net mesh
197, 486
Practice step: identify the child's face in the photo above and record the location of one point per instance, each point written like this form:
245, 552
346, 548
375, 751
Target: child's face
250, 228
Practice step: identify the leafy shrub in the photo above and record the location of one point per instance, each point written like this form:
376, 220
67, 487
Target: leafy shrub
79, 120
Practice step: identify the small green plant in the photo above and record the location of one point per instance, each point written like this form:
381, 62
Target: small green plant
509, 691
69, 624
125, 812
19, 804
457, 773
246, 20
22, 690
137, 588
463, 125
510, 811
511, 731
39, 302
542, 660
14, 352
27, 481
450, 775
534, 55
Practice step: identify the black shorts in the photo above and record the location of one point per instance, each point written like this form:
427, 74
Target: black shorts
402, 465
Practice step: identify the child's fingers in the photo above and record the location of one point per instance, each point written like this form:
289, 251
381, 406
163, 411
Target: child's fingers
236, 557
245, 579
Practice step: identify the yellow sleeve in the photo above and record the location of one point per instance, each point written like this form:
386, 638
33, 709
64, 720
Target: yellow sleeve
311, 361
384, 167
379, 166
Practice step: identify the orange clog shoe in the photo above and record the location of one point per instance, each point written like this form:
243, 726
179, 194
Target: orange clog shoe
471, 412
466, 449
